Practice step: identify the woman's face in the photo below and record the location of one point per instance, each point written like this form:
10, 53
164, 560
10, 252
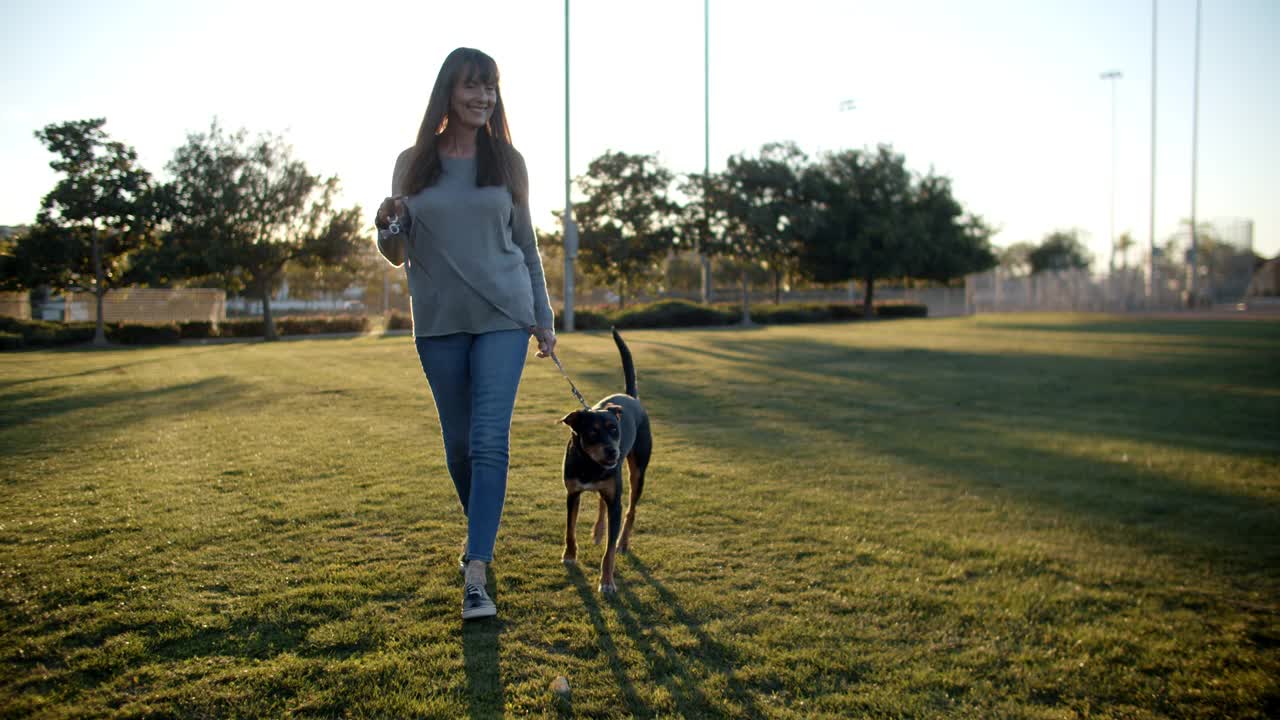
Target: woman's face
472, 101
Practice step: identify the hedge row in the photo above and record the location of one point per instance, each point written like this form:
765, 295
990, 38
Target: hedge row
682, 313
16, 334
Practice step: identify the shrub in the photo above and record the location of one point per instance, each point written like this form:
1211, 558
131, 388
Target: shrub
399, 321
672, 313
846, 311
131, 334
586, 318
792, 313
197, 329
242, 328
11, 340
322, 324
900, 310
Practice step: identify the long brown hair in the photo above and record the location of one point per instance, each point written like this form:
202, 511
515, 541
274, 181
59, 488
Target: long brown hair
495, 158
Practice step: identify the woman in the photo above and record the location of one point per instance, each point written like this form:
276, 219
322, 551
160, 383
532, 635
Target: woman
460, 204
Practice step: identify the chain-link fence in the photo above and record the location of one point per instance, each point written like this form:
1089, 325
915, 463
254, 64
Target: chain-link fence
15, 305
148, 305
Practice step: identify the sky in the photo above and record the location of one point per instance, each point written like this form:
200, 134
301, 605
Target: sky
1002, 96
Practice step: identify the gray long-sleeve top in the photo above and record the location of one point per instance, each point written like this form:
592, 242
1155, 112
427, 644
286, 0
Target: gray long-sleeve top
471, 255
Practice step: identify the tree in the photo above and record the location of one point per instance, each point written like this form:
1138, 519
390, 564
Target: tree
101, 211
1060, 250
951, 243
246, 209
763, 210
626, 223
1016, 259
1124, 244
862, 225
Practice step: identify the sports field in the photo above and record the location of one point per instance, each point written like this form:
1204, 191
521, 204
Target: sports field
1032, 516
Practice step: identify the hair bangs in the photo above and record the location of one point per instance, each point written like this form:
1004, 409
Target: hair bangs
479, 68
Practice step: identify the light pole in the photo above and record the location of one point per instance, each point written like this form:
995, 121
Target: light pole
705, 261
570, 228
1193, 260
1112, 76
1151, 238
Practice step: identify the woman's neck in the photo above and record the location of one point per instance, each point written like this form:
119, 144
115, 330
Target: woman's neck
457, 144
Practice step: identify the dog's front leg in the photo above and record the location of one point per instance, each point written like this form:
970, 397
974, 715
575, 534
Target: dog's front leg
597, 530
570, 555
614, 501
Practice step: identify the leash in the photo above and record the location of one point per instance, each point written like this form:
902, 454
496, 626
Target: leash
572, 387
394, 228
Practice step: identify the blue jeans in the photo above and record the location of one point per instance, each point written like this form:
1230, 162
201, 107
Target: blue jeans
474, 379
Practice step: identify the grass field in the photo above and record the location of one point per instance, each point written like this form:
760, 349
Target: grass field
1051, 516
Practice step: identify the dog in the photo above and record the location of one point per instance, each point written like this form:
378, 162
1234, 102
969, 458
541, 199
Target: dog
616, 428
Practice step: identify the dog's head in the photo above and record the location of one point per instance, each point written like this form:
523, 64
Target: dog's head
598, 432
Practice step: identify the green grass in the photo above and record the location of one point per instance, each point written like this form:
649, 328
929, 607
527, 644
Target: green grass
1051, 516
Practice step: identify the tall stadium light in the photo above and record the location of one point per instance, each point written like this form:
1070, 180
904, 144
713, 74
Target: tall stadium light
1113, 76
1193, 263
1151, 239
706, 137
570, 229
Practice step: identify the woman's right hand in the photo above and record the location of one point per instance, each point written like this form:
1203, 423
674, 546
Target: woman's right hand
390, 206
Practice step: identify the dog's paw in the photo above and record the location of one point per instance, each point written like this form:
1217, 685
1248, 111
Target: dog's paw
608, 588
623, 547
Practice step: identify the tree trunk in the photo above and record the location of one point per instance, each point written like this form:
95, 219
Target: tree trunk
622, 293
868, 311
746, 298
268, 325
777, 287
707, 281
99, 332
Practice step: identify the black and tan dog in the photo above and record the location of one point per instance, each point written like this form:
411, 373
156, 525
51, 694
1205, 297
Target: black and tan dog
616, 428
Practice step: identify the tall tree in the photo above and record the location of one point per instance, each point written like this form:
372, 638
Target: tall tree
764, 211
248, 208
99, 212
1124, 244
864, 219
1060, 250
1016, 258
951, 242
626, 223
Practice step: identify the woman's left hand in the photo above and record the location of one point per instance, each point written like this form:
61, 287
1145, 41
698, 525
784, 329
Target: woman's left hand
546, 341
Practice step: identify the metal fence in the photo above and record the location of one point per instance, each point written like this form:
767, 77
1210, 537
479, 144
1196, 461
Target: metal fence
1068, 290
15, 305
149, 305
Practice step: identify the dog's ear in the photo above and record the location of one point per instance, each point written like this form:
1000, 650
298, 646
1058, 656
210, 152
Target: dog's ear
572, 419
615, 409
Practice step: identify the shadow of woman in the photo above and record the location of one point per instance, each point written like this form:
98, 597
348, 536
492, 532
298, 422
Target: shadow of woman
481, 656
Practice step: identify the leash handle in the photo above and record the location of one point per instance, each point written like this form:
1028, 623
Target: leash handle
572, 387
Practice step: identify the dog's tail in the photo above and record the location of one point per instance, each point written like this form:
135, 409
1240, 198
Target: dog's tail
628, 367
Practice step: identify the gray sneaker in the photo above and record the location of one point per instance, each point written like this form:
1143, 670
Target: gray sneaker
476, 603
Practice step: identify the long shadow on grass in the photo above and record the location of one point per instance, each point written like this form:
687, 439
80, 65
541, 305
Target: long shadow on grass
966, 415
681, 672
591, 602
1218, 330
106, 368
113, 411
481, 643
